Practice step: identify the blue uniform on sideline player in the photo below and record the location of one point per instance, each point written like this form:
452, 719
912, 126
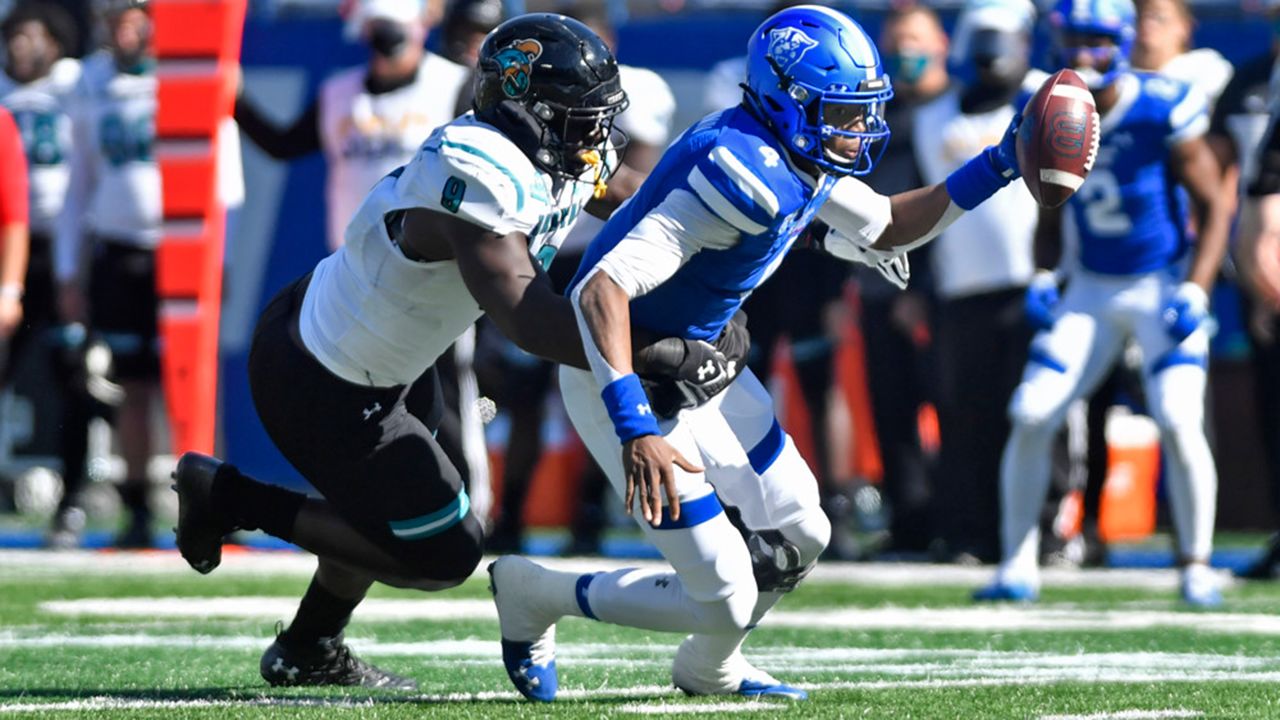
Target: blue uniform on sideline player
1139, 274
713, 220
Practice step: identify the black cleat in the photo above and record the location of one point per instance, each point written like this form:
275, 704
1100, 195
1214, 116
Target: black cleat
326, 662
200, 526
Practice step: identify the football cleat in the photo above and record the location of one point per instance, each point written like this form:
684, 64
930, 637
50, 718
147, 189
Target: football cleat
528, 637
328, 661
694, 675
1007, 591
200, 526
1199, 587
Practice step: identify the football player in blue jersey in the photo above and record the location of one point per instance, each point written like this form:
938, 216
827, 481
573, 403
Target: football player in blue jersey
713, 220
1138, 275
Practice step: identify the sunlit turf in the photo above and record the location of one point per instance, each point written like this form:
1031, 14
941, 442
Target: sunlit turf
94, 665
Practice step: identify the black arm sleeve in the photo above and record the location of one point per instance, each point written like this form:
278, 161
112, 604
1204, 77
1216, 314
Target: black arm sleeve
1267, 180
302, 138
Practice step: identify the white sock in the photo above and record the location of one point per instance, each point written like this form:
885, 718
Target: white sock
1024, 483
654, 600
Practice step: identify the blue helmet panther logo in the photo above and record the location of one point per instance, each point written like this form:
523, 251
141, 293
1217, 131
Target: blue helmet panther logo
516, 65
787, 45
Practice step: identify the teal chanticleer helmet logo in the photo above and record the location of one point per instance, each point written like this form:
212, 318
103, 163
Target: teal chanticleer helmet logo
516, 61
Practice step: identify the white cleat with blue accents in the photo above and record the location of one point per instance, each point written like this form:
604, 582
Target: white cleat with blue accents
528, 636
1199, 587
735, 676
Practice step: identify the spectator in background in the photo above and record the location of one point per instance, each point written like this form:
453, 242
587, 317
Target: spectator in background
522, 381
895, 324
36, 89
982, 265
465, 25
369, 120
14, 235
1240, 124
1163, 45
112, 214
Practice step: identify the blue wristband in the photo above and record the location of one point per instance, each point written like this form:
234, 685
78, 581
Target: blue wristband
629, 409
974, 182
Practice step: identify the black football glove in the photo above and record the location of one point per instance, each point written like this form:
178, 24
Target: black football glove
679, 374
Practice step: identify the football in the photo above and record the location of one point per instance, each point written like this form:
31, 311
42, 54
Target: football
1058, 139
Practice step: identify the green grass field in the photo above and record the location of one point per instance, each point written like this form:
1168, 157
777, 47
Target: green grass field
108, 635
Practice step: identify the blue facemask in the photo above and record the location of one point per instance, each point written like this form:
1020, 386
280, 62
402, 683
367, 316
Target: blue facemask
906, 67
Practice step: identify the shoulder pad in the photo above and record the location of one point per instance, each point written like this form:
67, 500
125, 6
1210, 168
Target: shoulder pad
473, 171
745, 180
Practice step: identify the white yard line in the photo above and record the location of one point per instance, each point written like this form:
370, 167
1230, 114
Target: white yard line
1129, 715
974, 618
664, 708
42, 563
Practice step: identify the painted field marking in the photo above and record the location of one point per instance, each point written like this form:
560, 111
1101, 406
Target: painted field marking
921, 619
664, 708
1129, 715
41, 563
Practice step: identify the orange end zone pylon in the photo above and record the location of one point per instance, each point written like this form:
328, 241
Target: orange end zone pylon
197, 44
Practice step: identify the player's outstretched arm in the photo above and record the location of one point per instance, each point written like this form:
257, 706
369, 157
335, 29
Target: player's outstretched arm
604, 317
862, 219
502, 277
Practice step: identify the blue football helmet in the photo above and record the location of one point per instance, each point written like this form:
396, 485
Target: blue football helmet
1115, 19
812, 73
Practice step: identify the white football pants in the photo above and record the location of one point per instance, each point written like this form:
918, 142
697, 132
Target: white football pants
750, 464
1096, 316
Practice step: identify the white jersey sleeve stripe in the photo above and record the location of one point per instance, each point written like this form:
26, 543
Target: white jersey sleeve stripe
720, 206
515, 181
746, 180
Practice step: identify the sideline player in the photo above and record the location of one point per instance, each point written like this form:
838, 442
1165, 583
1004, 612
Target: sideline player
1138, 275
105, 248
726, 202
342, 364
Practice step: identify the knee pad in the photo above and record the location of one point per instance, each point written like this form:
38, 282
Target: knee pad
780, 564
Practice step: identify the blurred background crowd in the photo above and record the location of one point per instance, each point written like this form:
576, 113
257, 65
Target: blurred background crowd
897, 399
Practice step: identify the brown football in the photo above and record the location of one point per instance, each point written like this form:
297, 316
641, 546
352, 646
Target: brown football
1058, 139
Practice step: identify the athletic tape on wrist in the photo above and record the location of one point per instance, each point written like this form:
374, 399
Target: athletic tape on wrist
974, 182
629, 409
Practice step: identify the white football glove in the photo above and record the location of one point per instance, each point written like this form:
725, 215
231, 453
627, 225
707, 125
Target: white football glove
893, 266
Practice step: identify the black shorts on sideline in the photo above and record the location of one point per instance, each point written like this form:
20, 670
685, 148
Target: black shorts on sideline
369, 451
123, 306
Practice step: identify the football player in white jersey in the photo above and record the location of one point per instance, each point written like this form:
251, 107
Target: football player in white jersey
112, 214
36, 88
1135, 272
342, 363
712, 221
369, 120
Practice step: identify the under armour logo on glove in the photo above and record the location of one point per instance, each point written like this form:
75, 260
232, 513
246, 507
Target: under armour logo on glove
708, 370
1185, 311
644, 409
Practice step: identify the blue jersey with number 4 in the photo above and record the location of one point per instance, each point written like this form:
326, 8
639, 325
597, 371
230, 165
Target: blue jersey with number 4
738, 171
1130, 214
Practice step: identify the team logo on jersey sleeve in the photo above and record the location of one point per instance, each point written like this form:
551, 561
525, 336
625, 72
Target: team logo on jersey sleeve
516, 61
787, 45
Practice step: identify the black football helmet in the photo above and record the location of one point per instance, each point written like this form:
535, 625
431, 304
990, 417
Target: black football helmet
552, 86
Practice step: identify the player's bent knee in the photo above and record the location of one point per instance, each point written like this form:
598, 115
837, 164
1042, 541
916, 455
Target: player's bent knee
732, 613
780, 559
